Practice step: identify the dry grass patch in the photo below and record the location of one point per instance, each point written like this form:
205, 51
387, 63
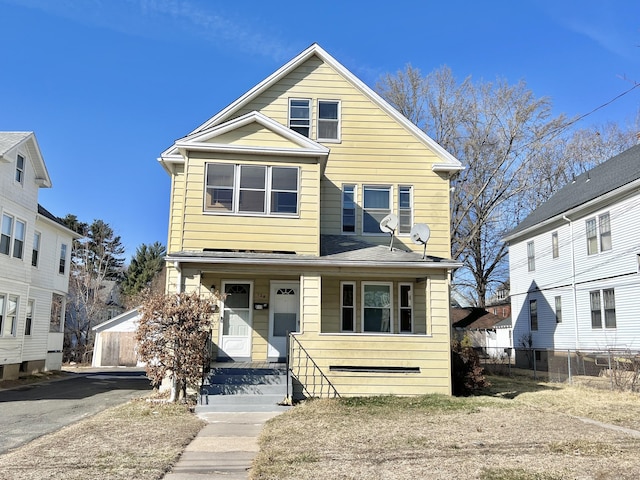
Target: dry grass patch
520, 430
140, 440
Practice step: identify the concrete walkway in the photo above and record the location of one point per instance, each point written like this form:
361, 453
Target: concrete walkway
224, 448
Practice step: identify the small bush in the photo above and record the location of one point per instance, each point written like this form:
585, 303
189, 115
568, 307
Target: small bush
467, 375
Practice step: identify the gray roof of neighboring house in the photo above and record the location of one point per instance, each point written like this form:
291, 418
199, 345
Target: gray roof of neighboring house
8, 140
616, 172
334, 250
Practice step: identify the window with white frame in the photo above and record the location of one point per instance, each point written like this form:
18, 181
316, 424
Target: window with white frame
251, 189
533, 315
18, 239
596, 309
405, 209
56, 323
609, 298
28, 322
555, 246
300, 116
558, 305
6, 233
12, 314
377, 307
405, 307
328, 120
12, 234
20, 169
3, 301
62, 266
347, 306
598, 234
35, 252
531, 256
376, 204
348, 209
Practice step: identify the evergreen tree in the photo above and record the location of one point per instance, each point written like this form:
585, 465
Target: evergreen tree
145, 265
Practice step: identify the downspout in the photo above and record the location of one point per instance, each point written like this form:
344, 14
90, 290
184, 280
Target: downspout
176, 265
573, 283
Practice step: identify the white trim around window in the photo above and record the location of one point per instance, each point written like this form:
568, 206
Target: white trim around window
12, 236
328, 121
405, 209
300, 116
405, 308
377, 307
20, 166
348, 211
348, 307
377, 202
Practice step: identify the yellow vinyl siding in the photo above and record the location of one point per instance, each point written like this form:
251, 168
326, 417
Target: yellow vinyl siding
254, 135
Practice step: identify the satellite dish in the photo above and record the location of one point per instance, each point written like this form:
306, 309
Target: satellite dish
420, 234
389, 223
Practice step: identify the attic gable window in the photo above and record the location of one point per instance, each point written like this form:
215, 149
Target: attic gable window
328, 120
300, 116
251, 189
20, 169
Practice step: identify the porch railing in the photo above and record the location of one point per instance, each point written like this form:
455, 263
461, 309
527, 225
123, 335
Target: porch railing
301, 367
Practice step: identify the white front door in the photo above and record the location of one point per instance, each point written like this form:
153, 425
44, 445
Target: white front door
236, 321
284, 317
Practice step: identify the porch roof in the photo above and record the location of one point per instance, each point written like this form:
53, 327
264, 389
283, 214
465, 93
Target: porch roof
335, 251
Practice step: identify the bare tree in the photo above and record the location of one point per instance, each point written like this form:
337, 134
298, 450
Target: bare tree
172, 338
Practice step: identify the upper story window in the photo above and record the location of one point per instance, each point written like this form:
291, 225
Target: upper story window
12, 236
555, 246
376, 204
328, 120
348, 209
300, 116
251, 189
531, 256
558, 302
598, 227
533, 314
63, 259
20, 169
405, 209
35, 252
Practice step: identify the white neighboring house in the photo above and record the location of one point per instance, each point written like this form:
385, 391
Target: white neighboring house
35, 252
574, 263
115, 343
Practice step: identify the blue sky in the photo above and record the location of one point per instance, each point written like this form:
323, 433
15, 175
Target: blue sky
107, 85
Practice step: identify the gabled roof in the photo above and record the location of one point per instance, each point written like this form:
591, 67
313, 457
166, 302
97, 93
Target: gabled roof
474, 318
618, 174
46, 214
9, 141
123, 317
449, 162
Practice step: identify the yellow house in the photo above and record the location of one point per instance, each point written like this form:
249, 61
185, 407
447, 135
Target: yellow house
277, 203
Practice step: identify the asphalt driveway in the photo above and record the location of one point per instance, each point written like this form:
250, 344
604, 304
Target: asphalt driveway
30, 411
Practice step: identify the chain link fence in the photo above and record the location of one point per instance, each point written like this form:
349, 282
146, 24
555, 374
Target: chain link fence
614, 369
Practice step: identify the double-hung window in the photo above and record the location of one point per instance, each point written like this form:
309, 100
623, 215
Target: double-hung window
405, 210
6, 234
28, 323
62, 265
251, 189
348, 209
531, 256
555, 246
405, 300
533, 315
347, 306
12, 236
376, 204
377, 307
300, 116
35, 252
12, 314
3, 300
599, 299
596, 310
558, 302
328, 120
18, 239
598, 227
20, 169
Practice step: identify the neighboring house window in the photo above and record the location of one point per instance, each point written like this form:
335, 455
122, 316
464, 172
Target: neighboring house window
18, 240
602, 226
609, 308
252, 189
405, 299
376, 204
57, 311
6, 232
596, 312
28, 323
328, 120
533, 314
12, 314
558, 301
20, 169
405, 210
555, 247
377, 307
348, 208
531, 257
35, 253
63, 259
347, 306
2, 303
300, 116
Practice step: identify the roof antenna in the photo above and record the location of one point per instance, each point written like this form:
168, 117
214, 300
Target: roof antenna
420, 234
388, 225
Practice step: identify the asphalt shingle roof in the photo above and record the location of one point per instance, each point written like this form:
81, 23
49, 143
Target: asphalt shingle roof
8, 140
616, 172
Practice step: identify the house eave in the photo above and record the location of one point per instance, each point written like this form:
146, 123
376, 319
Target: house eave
186, 147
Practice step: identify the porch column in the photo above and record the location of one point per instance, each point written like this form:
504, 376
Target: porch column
310, 301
